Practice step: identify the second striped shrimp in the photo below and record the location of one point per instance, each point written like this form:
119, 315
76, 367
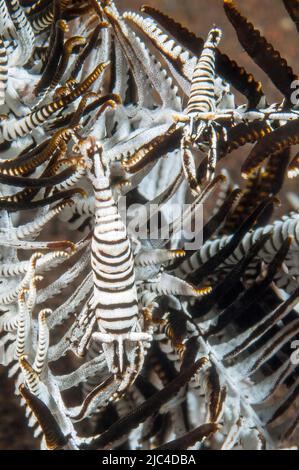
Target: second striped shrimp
200, 118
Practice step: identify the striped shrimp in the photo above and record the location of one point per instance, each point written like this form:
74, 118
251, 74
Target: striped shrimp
113, 306
201, 113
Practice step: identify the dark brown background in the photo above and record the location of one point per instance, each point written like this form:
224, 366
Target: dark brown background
199, 15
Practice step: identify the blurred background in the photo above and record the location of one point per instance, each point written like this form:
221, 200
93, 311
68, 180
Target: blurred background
270, 17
